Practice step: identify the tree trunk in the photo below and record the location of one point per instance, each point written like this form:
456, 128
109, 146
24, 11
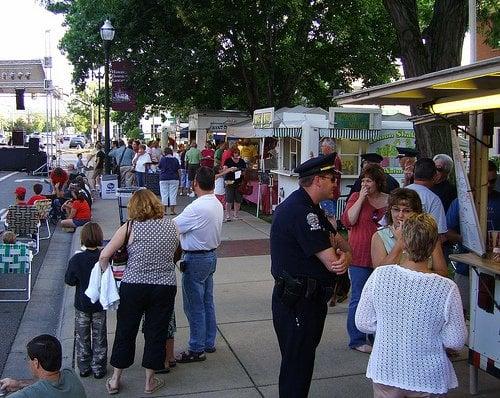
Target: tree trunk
439, 47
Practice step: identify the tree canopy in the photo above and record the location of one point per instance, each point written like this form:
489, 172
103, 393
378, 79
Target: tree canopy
234, 53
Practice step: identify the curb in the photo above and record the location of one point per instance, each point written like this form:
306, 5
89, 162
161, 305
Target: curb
66, 327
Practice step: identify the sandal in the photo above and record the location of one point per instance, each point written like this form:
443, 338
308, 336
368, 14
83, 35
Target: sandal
172, 364
190, 356
159, 383
111, 390
162, 371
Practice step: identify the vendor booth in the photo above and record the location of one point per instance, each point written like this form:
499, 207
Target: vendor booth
462, 96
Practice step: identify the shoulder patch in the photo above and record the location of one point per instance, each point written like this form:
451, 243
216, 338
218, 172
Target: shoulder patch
313, 221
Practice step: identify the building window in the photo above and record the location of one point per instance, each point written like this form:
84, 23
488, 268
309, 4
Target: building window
350, 152
291, 153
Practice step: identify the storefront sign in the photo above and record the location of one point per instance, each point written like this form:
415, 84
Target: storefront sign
263, 118
354, 120
385, 145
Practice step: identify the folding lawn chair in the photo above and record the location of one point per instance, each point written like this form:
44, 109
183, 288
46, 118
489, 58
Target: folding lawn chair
16, 259
24, 221
44, 206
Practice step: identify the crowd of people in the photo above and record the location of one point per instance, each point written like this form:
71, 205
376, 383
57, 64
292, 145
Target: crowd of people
404, 310
401, 301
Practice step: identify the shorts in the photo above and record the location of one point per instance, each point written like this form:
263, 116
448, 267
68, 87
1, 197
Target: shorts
232, 194
192, 171
222, 199
79, 223
97, 173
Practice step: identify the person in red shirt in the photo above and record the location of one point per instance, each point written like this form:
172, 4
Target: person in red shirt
37, 189
207, 156
20, 196
228, 154
77, 210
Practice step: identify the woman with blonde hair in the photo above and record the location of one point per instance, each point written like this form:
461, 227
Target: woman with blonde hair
416, 315
148, 287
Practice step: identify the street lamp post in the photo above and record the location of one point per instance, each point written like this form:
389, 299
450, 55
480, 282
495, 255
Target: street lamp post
107, 35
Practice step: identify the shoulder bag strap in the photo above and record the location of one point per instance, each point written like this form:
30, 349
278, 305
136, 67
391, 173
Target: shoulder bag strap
127, 234
121, 157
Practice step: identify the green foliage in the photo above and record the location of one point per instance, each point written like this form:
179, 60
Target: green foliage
134, 133
489, 15
234, 53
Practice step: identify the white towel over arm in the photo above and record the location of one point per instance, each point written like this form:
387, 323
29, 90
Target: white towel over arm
94, 289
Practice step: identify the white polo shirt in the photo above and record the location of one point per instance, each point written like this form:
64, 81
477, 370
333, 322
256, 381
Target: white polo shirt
200, 224
431, 204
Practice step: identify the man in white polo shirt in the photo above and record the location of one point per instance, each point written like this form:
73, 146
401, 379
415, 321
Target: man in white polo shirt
200, 226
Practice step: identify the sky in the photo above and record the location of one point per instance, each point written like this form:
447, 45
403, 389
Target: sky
23, 26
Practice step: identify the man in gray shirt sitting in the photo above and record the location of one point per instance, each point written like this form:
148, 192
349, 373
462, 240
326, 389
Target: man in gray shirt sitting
44, 359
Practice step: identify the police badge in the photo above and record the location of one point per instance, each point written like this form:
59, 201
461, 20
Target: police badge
313, 221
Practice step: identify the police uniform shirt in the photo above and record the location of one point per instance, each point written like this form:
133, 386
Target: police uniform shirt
299, 230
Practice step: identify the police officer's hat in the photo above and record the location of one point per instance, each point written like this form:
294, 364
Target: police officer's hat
406, 152
317, 165
372, 157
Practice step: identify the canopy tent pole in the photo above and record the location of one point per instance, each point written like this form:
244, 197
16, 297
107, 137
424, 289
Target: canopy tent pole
261, 161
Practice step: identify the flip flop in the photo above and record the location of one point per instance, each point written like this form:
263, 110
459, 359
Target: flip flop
111, 390
159, 383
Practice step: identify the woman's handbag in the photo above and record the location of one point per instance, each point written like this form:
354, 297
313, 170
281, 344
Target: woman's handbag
119, 258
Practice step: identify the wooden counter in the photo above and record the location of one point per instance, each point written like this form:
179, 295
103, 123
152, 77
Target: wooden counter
475, 260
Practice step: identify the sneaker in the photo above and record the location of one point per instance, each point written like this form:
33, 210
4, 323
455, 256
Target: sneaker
192, 195
85, 373
210, 350
100, 374
190, 356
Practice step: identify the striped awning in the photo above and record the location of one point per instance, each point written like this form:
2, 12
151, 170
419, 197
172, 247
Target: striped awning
293, 132
350, 134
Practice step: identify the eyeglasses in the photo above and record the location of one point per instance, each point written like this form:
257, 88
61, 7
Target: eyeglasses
329, 177
405, 210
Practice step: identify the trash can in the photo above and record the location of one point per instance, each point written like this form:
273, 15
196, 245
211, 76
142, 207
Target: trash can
124, 194
109, 185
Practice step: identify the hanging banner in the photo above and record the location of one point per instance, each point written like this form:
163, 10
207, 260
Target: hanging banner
122, 97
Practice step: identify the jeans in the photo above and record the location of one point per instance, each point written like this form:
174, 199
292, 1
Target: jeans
140, 178
198, 296
358, 276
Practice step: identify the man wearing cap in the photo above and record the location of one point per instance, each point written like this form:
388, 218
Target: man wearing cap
306, 255
20, 196
407, 158
374, 158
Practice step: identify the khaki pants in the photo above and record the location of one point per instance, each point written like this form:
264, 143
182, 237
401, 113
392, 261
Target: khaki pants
126, 176
384, 391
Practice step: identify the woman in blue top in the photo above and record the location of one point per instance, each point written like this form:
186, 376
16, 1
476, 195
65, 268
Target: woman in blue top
169, 180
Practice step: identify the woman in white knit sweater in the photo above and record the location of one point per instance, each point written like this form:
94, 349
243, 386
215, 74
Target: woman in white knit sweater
416, 315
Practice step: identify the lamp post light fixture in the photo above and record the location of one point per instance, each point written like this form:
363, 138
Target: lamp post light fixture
107, 34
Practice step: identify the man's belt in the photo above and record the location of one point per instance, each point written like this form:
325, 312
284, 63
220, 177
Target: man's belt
198, 251
291, 289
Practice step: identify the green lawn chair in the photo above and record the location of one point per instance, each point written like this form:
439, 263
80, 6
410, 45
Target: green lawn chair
15, 259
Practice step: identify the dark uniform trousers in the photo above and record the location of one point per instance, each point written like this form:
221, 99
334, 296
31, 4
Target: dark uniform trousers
299, 331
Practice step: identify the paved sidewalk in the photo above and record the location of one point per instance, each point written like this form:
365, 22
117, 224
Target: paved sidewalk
246, 363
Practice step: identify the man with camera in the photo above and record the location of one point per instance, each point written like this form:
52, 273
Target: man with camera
306, 255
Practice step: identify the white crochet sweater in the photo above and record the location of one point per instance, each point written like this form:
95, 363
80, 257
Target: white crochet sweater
415, 316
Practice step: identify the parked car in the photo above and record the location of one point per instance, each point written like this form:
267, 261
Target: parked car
77, 142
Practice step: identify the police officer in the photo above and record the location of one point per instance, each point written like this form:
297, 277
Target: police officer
407, 158
306, 255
